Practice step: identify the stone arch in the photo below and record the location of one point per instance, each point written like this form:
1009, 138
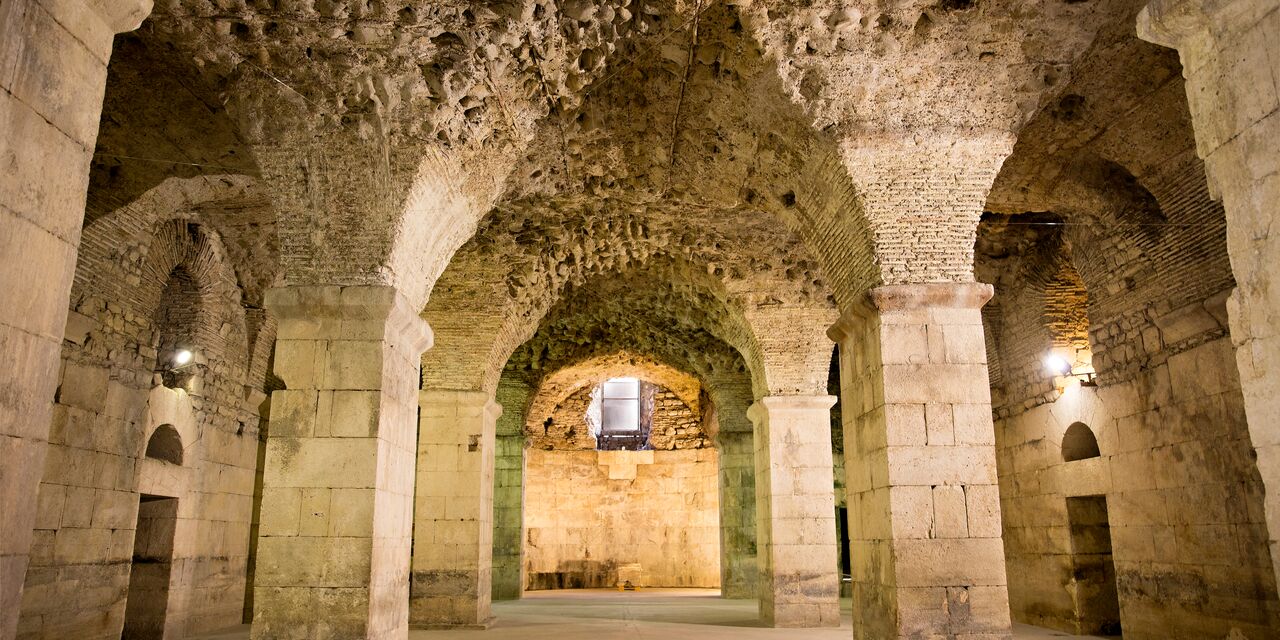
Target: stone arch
219, 230
478, 325
1079, 443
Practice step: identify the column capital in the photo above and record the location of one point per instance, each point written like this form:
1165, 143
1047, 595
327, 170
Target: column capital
334, 312
911, 297
1178, 24
121, 15
786, 404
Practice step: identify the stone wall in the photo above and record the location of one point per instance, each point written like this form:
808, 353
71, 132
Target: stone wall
674, 423
143, 288
1183, 495
592, 516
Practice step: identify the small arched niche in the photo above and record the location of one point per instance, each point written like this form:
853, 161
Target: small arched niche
165, 444
176, 321
1079, 443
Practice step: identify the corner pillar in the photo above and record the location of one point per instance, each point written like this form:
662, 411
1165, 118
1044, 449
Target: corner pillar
508, 492
53, 72
920, 463
453, 514
1230, 53
738, 565
337, 500
795, 511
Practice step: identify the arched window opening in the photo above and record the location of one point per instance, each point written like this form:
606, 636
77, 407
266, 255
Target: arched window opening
620, 414
165, 444
1079, 443
175, 321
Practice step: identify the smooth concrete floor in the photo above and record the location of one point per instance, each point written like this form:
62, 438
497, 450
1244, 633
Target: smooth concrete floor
649, 614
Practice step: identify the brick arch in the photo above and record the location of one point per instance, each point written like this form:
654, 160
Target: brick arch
128, 256
478, 325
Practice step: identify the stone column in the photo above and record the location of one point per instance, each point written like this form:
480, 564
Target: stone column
738, 565
920, 462
795, 511
53, 71
453, 511
508, 518
337, 501
1230, 54
508, 491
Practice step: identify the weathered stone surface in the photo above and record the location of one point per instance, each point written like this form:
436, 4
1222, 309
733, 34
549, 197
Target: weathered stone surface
795, 511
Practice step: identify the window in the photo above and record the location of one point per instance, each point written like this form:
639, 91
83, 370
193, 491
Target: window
620, 406
165, 444
1079, 443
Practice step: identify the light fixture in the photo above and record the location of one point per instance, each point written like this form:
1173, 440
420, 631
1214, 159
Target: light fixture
1060, 367
1057, 365
182, 357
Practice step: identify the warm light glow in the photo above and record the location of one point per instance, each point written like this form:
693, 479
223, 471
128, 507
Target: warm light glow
181, 357
1057, 365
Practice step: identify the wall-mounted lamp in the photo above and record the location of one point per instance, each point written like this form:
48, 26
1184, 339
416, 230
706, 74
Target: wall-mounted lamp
1060, 367
182, 358
1057, 365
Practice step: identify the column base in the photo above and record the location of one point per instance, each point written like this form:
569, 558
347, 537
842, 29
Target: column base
803, 616
444, 626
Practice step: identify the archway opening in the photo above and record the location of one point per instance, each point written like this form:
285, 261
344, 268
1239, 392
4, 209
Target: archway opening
165, 444
1093, 578
634, 503
147, 607
175, 322
1079, 443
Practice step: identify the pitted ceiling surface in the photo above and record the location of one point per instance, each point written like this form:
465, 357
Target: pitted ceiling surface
655, 159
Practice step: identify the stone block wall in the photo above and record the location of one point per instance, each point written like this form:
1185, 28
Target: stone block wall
110, 400
1183, 494
592, 516
1228, 52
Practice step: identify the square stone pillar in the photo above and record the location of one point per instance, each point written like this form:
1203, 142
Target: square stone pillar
920, 462
453, 511
795, 511
508, 518
53, 71
739, 568
1230, 52
337, 501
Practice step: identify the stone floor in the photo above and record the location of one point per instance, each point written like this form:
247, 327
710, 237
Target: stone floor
657, 614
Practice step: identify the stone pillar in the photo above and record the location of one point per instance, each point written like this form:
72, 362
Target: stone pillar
337, 501
453, 511
795, 511
508, 491
920, 461
1230, 53
508, 518
738, 565
53, 71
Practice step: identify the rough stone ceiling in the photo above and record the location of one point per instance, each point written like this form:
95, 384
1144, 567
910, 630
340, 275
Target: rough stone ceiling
1122, 117
708, 104
159, 120
602, 137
